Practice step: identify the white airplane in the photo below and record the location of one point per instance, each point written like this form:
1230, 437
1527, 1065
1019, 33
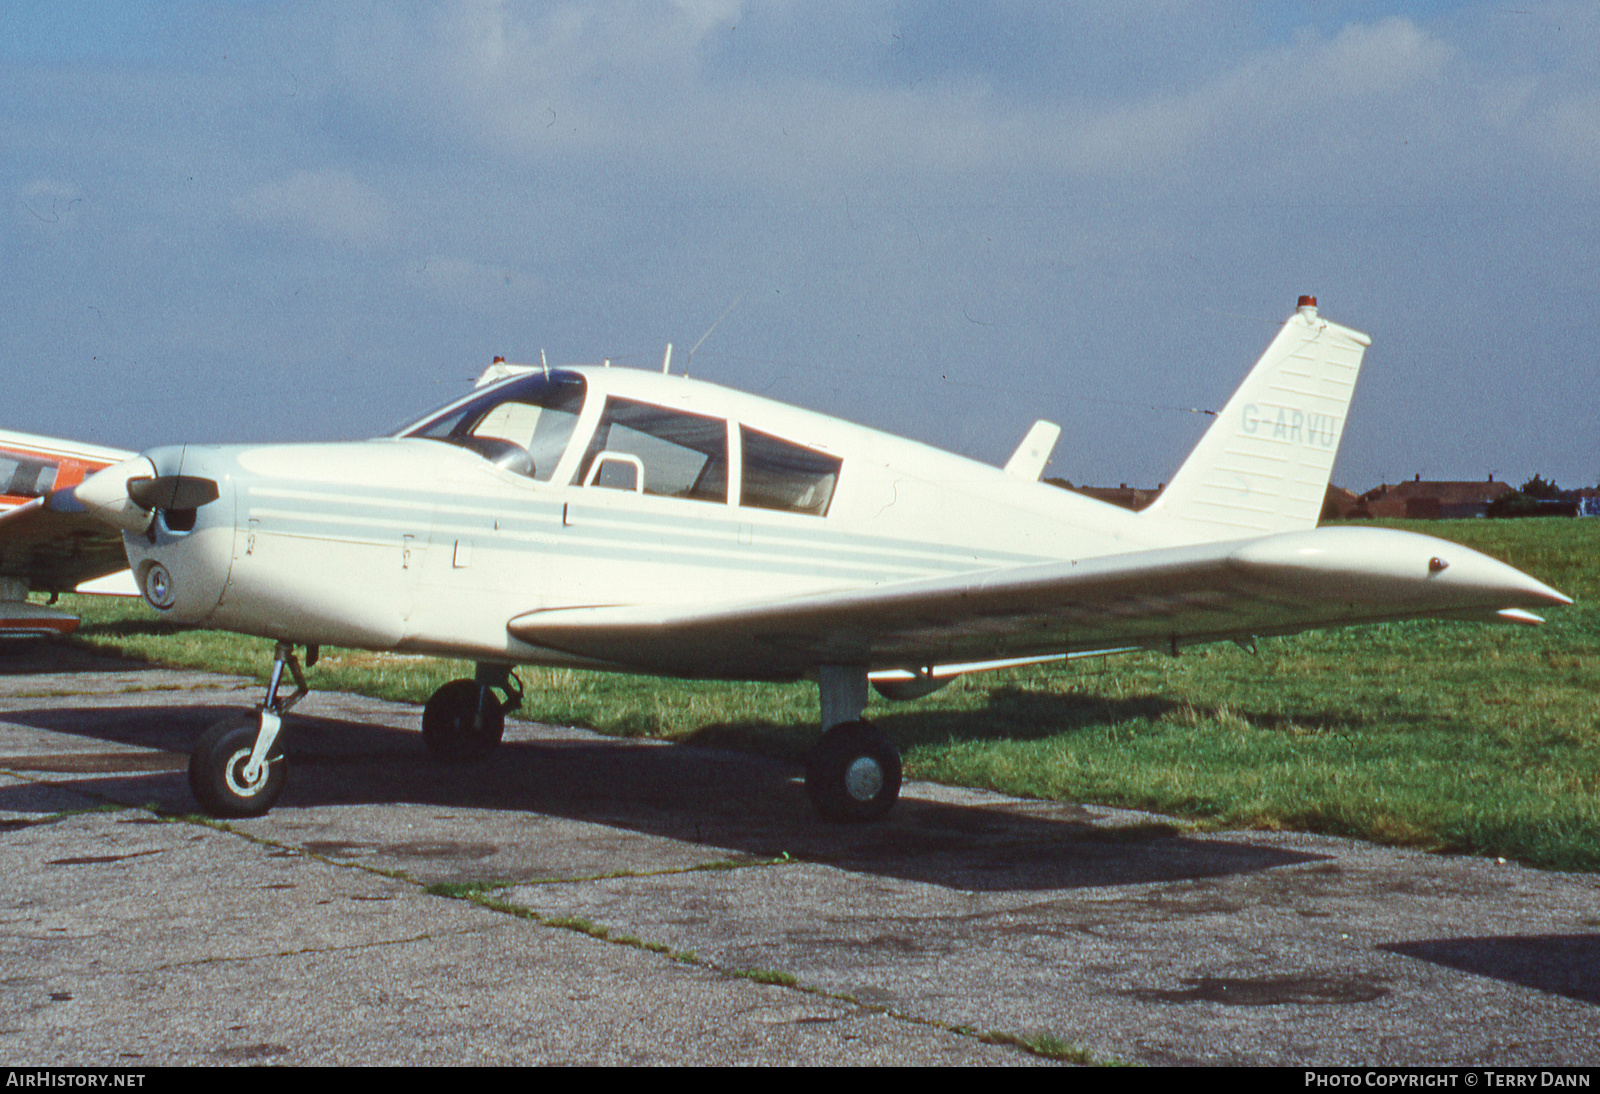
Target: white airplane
624, 520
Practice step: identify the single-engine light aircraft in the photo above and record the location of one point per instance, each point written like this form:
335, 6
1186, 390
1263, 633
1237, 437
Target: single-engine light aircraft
633, 521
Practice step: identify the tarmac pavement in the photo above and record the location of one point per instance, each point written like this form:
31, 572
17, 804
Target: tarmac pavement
656, 903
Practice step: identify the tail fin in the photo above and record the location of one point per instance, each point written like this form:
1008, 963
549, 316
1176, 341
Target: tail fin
1263, 466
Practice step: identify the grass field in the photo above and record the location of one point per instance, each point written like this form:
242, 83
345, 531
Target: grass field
1449, 736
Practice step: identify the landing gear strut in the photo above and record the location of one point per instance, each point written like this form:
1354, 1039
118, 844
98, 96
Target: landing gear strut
465, 719
237, 768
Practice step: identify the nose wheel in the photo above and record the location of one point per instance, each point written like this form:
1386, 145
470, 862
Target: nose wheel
221, 776
237, 768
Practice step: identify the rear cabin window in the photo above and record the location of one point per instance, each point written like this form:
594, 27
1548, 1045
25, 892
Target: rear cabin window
653, 450
780, 475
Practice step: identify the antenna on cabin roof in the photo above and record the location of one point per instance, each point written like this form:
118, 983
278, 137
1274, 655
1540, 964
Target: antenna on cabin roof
711, 328
543, 362
666, 361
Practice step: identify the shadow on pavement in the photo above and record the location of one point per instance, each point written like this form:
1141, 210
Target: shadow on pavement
743, 804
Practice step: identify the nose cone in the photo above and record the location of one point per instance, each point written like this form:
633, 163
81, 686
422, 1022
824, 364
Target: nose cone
105, 494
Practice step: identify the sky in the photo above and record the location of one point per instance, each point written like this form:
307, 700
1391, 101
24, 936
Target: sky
302, 221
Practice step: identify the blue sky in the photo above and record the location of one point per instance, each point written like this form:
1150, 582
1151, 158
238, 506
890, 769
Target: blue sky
259, 221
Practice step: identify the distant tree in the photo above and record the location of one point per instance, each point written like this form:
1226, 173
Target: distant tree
1536, 498
1543, 491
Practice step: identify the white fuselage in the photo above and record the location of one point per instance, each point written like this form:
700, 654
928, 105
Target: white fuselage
405, 543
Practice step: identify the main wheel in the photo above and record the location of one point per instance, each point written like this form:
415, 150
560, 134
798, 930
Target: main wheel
453, 728
853, 774
216, 769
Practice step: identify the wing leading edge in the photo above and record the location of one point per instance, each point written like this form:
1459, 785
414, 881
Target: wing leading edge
1165, 598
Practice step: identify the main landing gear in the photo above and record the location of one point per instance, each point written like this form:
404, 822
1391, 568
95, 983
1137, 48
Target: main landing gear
853, 774
237, 768
465, 719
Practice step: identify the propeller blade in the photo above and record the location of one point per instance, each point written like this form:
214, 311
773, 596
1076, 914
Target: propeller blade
172, 492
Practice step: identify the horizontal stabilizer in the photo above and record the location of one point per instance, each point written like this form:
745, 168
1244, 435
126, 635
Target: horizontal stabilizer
1028, 461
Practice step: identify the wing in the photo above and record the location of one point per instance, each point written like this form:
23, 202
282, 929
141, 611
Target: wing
1163, 599
47, 540
51, 543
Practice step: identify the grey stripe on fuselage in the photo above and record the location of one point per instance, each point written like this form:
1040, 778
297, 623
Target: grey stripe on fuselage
598, 530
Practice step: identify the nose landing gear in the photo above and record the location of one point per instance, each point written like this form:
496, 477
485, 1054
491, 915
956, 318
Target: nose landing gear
221, 775
237, 768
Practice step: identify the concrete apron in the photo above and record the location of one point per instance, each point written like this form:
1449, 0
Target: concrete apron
665, 904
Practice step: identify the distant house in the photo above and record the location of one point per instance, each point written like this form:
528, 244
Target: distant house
1129, 497
1338, 503
1419, 500
1414, 500
1336, 506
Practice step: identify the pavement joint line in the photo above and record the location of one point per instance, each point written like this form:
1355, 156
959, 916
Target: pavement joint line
15, 824
199, 820
72, 785
223, 959
1044, 1044
713, 866
130, 689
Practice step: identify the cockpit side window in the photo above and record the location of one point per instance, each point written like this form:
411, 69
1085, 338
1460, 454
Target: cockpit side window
785, 476
523, 425
653, 450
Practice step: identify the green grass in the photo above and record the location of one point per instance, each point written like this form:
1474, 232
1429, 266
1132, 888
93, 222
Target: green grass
775, 977
1049, 1045
1448, 736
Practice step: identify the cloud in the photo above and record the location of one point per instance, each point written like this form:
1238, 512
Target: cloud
1276, 103
328, 204
941, 186
713, 91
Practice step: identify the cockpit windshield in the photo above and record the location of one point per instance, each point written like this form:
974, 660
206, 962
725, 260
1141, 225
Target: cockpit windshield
523, 424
